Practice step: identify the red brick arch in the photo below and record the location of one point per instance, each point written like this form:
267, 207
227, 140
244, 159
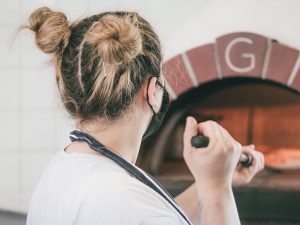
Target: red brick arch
233, 55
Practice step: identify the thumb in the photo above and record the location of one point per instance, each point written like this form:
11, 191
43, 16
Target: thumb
191, 129
252, 146
248, 147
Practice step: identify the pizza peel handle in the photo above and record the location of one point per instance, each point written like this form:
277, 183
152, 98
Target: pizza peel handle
201, 141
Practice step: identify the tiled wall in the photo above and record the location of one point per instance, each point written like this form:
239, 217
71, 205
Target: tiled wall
33, 124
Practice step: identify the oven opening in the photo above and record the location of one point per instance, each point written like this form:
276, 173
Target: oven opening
256, 111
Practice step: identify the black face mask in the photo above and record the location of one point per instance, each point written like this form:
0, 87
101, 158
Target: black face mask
157, 118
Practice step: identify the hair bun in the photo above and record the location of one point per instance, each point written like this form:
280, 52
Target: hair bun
51, 28
117, 39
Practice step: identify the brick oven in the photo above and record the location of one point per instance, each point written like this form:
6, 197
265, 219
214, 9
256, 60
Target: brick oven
249, 84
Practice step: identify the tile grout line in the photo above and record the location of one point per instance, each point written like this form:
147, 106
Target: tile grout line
189, 69
170, 90
20, 116
266, 59
294, 71
217, 60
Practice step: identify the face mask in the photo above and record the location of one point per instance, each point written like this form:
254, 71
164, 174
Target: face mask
157, 118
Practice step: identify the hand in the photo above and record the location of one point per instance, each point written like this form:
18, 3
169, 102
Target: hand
243, 175
213, 166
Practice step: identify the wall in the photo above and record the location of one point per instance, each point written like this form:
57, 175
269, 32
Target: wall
33, 123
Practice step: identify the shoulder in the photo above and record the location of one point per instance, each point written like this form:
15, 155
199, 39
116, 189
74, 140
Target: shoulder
125, 196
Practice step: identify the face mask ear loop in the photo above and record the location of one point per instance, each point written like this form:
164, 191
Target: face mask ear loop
148, 95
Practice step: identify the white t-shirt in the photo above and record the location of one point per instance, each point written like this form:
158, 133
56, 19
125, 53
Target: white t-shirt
86, 189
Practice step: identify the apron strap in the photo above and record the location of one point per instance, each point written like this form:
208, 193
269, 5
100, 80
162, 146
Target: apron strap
77, 135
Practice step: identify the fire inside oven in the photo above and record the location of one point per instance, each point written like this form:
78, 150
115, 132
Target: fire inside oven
253, 111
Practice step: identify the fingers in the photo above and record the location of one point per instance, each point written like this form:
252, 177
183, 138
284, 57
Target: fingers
191, 129
261, 160
230, 142
252, 146
210, 129
218, 135
249, 150
258, 157
238, 147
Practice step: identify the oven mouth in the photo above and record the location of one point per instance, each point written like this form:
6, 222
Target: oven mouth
259, 101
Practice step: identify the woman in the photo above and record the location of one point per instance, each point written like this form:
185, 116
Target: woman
108, 72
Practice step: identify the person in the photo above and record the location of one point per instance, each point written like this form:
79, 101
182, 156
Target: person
108, 72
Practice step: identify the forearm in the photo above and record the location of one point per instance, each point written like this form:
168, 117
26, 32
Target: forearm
189, 202
209, 207
218, 208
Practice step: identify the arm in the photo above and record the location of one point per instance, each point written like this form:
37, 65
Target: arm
188, 201
217, 207
214, 207
212, 168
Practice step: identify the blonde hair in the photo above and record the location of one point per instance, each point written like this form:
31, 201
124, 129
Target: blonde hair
101, 61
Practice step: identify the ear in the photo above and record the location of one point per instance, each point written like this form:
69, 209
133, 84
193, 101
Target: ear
151, 93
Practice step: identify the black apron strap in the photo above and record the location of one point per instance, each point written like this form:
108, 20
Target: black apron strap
77, 135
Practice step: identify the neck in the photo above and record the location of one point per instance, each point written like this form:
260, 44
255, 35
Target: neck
121, 137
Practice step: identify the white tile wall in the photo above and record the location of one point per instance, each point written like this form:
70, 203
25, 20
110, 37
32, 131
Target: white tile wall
32, 166
10, 49
10, 180
33, 126
37, 130
31, 56
9, 170
64, 125
79, 9
10, 131
10, 88
38, 90
10, 198
11, 13
27, 7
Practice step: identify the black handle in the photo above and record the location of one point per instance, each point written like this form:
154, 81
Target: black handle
201, 141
